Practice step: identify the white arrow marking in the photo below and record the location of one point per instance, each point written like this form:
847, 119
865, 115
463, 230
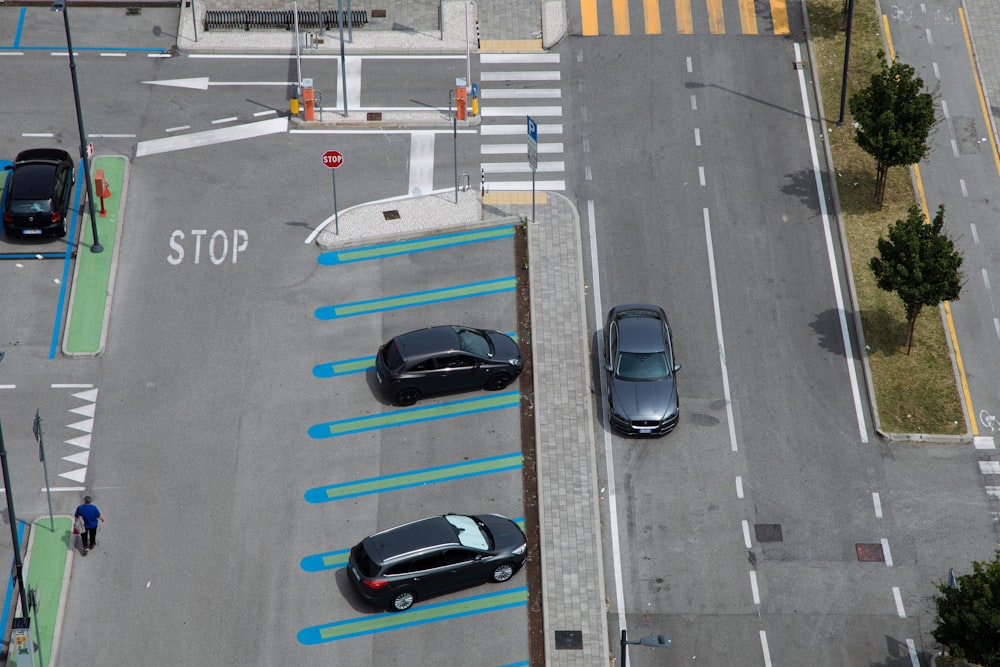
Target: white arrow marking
202, 83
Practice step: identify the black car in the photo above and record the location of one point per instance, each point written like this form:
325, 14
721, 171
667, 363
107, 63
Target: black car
37, 193
640, 365
445, 359
394, 568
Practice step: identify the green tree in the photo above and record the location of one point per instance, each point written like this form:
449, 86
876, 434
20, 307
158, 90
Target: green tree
919, 263
968, 617
894, 119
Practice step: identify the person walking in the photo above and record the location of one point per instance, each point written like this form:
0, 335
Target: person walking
91, 516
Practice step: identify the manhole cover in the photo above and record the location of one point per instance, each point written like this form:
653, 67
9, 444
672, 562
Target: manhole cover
391, 215
133, 11
768, 532
569, 639
870, 553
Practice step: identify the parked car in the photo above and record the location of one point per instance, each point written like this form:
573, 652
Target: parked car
445, 359
640, 367
37, 193
417, 560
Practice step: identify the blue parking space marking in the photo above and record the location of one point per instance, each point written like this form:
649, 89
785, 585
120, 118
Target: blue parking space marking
405, 480
417, 615
402, 417
332, 560
383, 250
417, 298
20, 27
516, 664
358, 365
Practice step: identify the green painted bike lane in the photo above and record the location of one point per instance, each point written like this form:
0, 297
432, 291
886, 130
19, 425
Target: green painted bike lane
46, 565
93, 279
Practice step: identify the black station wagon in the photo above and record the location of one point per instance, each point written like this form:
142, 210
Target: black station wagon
445, 359
394, 568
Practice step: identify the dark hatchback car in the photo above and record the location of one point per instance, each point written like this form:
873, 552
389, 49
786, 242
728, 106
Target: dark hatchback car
640, 365
394, 568
445, 359
37, 193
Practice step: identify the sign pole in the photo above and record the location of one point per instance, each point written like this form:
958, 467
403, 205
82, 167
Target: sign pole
36, 428
336, 211
532, 158
332, 160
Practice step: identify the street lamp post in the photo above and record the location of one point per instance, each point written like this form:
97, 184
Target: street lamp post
60, 6
656, 641
18, 565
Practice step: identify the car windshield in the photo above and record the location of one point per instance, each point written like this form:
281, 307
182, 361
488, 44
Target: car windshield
470, 533
642, 366
474, 342
391, 356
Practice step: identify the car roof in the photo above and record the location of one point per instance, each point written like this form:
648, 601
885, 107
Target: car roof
639, 329
427, 342
46, 154
415, 536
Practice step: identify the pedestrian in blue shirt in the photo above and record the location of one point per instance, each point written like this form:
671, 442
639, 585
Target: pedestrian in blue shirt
91, 516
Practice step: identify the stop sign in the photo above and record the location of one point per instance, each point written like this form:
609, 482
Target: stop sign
333, 159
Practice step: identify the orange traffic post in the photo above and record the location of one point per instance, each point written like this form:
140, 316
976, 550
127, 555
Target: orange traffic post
102, 188
308, 97
460, 98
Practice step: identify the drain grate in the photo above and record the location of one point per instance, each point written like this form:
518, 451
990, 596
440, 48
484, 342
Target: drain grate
133, 11
569, 639
768, 532
870, 553
391, 215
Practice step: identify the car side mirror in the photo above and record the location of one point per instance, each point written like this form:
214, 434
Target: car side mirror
677, 367
608, 367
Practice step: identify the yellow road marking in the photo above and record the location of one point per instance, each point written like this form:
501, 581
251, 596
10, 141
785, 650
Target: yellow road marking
651, 13
888, 37
496, 198
748, 17
716, 18
779, 17
589, 10
620, 11
682, 10
510, 45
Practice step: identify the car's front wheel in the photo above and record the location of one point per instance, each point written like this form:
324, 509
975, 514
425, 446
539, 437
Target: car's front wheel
407, 396
498, 381
502, 572
403, 601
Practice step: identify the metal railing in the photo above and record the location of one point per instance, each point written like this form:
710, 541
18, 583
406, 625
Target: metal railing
248, 19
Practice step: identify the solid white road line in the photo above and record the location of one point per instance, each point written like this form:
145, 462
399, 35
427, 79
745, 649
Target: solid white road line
831, 255
210, 137
765, 649
720, 340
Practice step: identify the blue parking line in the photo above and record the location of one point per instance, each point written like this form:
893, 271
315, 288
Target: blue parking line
405, 416
383, 250
421, 298
70, 241
20, 26
411, 478
418, 615
516, 664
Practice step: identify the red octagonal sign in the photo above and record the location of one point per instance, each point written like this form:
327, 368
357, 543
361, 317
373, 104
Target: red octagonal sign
333, 159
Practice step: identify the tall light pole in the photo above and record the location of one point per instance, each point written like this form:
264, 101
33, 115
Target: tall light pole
60, 6
18, 565
847, 59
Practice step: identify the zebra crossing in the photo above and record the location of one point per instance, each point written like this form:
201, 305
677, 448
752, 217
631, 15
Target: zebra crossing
514, 86
685, 17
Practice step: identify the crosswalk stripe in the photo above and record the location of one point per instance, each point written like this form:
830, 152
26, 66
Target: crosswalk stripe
534, 112
503, 149
528, 75
520, 93
779, 17
748, 17
519, 129
518, 58
516, 186
588, 9
716, 18
521, 167
685, 23
651, 13
620, 15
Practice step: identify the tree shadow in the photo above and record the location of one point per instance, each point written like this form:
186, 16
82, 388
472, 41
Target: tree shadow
885, 333
898, 655
826, 20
